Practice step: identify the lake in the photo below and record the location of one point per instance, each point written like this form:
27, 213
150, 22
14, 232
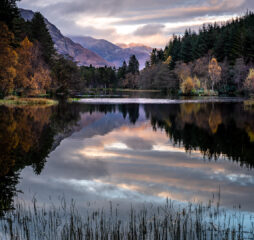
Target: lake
129, 153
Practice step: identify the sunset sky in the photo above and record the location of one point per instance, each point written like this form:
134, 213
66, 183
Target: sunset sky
150, 22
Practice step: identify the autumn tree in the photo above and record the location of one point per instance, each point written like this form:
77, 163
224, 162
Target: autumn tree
24, 66
187, 86
8, 60
214, 70
249, 81
33, 75
41, 78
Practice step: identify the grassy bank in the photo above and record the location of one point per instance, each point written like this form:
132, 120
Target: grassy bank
19, 101
170, 221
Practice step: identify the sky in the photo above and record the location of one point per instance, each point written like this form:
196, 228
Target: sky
150, 22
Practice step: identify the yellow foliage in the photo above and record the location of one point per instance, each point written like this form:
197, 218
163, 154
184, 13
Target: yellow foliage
33, 76
187, 86
214, 70
24, 66
168, 61
249, 81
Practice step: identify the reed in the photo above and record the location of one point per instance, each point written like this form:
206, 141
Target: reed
170, 222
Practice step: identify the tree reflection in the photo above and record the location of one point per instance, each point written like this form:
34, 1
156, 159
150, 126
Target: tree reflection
215, 129
27, 136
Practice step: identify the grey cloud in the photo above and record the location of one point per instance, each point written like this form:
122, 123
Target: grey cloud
149, 29
64, 13
138, 143
130, 8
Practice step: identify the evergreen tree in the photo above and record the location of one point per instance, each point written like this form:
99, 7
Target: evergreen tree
133, 65
186, 49
41, 34
122, 71
8, 12
236, 44
160, 56
248, 46
153, 57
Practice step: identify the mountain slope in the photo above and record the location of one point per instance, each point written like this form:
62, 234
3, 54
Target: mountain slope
66, 46
113, 53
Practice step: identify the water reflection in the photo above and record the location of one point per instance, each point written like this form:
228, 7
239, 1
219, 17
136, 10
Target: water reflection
128, 152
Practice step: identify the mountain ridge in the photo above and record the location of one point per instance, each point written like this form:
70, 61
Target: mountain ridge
113, 53
66, 46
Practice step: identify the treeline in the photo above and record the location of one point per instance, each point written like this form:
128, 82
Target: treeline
229, 41
110, 77
218, 57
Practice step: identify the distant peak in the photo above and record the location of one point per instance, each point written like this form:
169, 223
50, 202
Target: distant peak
131, 45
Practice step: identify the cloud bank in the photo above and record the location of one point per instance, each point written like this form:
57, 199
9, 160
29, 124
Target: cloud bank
145, 21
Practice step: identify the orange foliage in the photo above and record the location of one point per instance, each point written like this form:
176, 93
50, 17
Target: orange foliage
33, 76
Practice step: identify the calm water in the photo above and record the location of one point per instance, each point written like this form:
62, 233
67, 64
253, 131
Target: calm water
128, 153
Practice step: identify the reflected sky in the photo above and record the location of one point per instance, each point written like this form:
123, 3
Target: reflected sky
108, 158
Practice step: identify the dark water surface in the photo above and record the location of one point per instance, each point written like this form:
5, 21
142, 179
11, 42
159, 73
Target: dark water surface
128, 153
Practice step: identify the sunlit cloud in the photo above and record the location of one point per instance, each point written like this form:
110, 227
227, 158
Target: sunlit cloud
136, 21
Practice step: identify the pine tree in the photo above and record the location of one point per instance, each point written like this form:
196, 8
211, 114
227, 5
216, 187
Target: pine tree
8, 12
219, 47
236, 44
41, 34
186, 49
133, 65
153, 57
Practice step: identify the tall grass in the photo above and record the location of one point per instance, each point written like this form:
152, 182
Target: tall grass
171, 221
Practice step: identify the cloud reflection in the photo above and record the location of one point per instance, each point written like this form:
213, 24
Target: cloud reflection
110, 159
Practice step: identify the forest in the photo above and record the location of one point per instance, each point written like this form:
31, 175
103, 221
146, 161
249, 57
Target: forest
219, 59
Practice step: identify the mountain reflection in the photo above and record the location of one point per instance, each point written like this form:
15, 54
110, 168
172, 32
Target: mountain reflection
129, 149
